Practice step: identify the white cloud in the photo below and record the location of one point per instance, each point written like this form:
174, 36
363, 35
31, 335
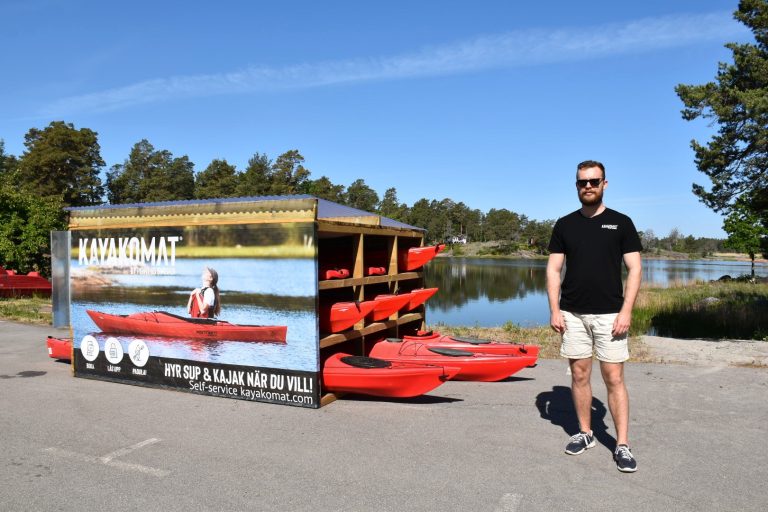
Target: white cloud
513, 49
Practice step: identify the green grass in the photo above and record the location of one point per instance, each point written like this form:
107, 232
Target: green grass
36, 310
717, 310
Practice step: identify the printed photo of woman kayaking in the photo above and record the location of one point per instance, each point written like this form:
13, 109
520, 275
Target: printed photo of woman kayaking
205, 302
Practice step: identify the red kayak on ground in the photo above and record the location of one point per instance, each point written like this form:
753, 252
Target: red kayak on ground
477, 367
416, 257
419, 296
16, 285
343, 373
387, 305
342, 315
59, 348
476, 345
160, 323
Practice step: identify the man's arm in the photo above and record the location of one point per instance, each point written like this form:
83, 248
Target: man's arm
635, 274
554, 267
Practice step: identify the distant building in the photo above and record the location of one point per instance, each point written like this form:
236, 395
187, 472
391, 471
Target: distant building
457, 239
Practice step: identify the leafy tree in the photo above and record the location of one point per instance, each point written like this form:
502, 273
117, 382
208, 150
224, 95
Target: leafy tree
257, 178
361, 196
420, 214
736, 159
745, 234
26, 220
149, 175
63, 161
288, 175
219, 179
502, 224
325, 189
390, 207
8, 165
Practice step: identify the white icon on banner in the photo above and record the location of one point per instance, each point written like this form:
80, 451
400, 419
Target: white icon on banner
138, 352
89, 347
113, 350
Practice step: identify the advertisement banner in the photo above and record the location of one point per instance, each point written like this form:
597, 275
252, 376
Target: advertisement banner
225, 310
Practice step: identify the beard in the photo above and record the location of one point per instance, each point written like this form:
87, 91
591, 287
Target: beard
591, 200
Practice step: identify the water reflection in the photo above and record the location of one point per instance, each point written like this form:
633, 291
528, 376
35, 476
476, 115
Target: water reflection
488, 292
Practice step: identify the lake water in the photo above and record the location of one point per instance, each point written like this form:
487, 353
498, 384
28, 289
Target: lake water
490, 292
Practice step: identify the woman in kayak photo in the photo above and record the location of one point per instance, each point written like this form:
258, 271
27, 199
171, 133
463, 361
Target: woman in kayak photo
204, 302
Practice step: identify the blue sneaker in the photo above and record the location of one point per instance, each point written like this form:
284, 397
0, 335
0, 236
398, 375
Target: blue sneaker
580, 443
625, 462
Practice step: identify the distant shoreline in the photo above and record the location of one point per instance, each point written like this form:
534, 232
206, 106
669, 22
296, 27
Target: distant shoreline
472, 250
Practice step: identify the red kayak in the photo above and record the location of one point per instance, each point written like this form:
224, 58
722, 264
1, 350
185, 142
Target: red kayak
343, 373
419, 296
387, 305
15, 285
342, 315
160, 323
477, 367
59, 348
416, 257
334, 273
477, 345
375, 271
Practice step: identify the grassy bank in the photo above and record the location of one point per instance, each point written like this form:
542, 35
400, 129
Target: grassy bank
717, 310
35, 310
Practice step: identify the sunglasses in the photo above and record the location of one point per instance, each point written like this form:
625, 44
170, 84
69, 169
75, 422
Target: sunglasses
593, 181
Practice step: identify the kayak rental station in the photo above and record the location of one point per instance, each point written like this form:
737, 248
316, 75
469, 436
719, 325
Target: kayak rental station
243, 298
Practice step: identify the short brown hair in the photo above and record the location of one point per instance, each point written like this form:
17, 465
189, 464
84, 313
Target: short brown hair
586, 164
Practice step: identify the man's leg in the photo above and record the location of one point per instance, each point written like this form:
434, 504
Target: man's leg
581, 390
618, 398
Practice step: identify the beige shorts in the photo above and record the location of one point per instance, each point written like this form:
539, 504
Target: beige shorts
582, 332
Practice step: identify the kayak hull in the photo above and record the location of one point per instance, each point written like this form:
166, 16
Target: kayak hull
475, 367
343, 315
416, 257
159, 323
59, 348
15, 285
479, 346
387, 305
419, 296
397, 379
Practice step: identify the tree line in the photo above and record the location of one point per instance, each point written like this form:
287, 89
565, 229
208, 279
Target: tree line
62, 166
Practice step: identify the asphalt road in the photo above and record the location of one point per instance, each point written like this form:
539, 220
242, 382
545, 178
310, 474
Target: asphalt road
77, 444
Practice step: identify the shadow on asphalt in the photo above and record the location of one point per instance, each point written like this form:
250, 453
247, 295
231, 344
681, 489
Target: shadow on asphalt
421, 399
556, 406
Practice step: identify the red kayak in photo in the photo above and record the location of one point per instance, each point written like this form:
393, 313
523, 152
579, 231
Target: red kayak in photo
160, 323
16, 285
387, 305
419, 296
343, 373
59, 348
477, 367
476, 345
342, 315
375, 271
416, 257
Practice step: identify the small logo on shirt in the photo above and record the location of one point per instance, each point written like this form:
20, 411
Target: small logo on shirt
610, 226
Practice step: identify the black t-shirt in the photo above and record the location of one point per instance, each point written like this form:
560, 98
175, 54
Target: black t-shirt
594, 249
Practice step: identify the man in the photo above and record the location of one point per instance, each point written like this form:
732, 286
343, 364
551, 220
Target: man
589, 308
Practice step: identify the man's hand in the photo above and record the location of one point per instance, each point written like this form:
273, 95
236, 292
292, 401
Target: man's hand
621, 324
556, 322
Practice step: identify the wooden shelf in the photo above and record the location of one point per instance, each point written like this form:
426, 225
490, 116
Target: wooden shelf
357, 281
341, 337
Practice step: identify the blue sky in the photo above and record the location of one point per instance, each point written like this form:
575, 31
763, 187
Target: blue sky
492, 103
